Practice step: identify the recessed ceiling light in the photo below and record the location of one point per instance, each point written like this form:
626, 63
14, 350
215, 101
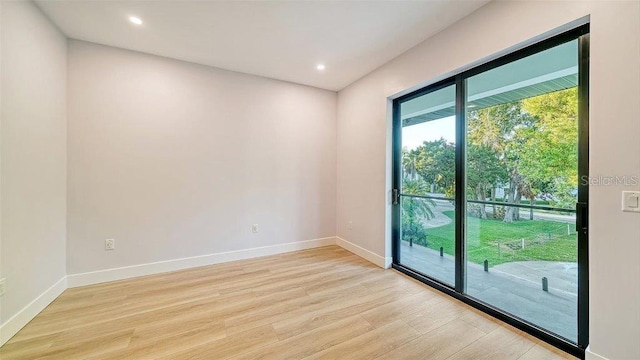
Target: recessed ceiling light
136, 20
320, 67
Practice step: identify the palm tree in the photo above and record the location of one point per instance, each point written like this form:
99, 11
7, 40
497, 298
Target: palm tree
409, 158
414, 210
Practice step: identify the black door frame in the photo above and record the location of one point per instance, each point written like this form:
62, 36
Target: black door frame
580, 33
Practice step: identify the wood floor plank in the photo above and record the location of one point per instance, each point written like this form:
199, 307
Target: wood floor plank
389, 279
480, 320
228, 347
329, 313
372, 344
117, 316
144, 346
313, 341
435, 316
82, 348
26, 349
500, 344
297, 308
438, 344
319, 303
403, 307
544, 352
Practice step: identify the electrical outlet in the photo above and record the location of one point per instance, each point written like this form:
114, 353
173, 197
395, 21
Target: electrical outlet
350, 225
3, 283
109, 244
254, 228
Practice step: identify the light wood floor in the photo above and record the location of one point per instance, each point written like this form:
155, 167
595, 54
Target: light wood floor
323, 303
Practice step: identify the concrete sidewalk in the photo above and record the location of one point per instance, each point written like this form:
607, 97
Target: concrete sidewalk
513, 287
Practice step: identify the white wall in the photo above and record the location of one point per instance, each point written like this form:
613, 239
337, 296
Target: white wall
364, 141
33, 155
174, 160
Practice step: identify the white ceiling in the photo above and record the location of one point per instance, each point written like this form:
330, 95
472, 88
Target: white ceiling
278, 39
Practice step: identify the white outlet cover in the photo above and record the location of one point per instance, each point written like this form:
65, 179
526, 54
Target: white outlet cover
3, 283
631, 201
254, 228
109, 244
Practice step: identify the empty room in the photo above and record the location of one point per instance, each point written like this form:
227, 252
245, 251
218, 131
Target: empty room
424, 179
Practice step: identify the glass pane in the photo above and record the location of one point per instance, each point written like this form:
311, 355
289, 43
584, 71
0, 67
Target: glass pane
522, 150
428, 237
428, 170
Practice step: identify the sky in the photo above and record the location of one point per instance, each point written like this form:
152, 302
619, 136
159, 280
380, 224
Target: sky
414, 135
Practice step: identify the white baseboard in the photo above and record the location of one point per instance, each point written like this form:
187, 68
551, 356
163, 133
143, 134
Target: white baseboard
96, 277
588, 355
383, 262
11, 327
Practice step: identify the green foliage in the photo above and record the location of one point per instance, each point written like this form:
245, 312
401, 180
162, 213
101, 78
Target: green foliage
491, 239
528, 147
534, 142
414, 211
484, 167
434, 162
551, 163
414, 232
502, 128
485, 171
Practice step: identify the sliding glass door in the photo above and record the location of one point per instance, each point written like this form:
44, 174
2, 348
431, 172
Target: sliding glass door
427, 172
522, 188
489, 182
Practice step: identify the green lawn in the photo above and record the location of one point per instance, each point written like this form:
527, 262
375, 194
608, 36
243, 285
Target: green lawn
501, 242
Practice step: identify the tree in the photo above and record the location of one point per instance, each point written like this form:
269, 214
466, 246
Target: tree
552, 163
503, 128
414, 210
484, 172
409, 159
535, 142
435, 163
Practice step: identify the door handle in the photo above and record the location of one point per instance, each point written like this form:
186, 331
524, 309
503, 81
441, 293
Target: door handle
582, 217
